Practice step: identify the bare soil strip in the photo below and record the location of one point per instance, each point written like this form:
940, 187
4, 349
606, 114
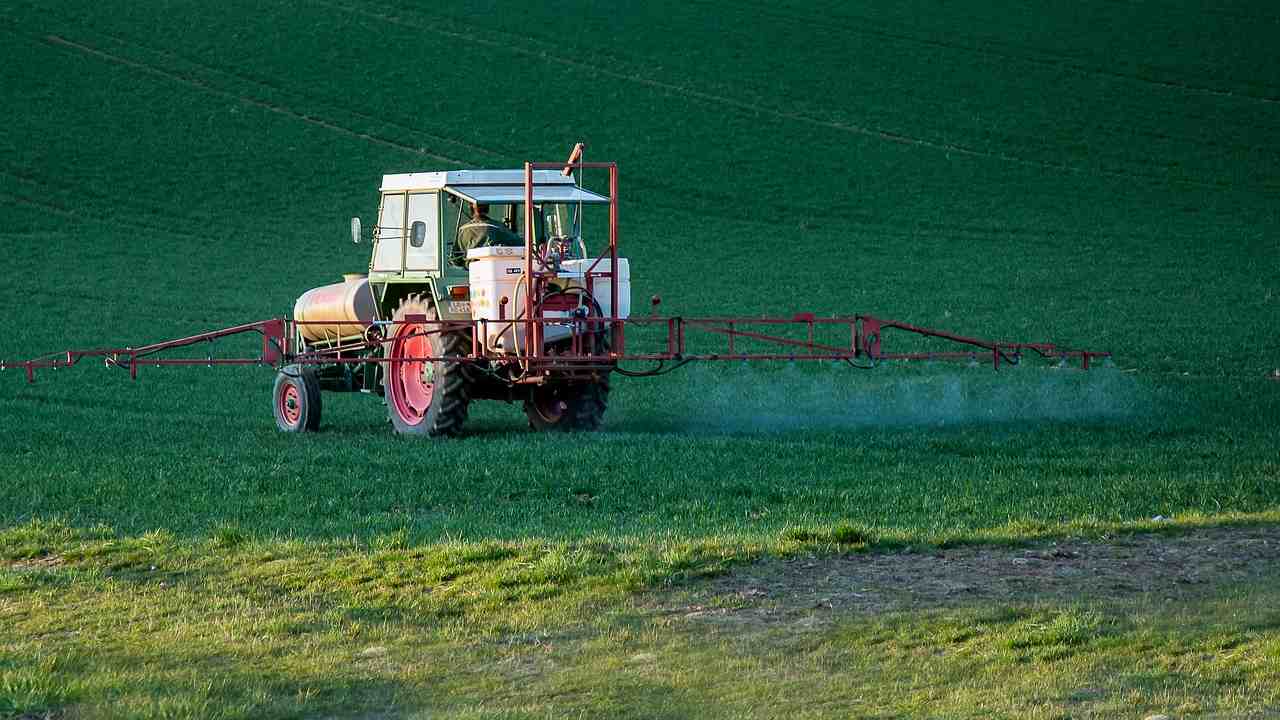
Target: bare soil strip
1154, 565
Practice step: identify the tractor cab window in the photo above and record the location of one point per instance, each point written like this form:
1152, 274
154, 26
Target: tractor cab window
422, 249
508, 216
556, 218
458, 214
560, 223
454, 216
389, 234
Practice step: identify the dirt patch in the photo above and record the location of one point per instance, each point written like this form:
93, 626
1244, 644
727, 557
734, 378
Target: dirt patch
44, 562
1159, 565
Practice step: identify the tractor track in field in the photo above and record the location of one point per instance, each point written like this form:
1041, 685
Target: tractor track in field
60, 41
107, 203
48, 190
645, 60
862, 26
1220, 11
1116, 127
68, 212
25, 176
302, 94
332, 125
757, 109
205, 85
501, 153
335, 126
189, 79
948, 229
1155, 135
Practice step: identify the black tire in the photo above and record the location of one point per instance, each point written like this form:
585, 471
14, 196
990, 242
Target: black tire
296, 399
568, 406
441, 410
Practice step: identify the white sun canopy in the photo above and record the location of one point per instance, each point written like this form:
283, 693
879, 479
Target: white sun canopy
494, 186
504, 194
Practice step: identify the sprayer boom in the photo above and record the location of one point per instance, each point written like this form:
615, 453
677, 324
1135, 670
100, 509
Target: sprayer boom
670, 340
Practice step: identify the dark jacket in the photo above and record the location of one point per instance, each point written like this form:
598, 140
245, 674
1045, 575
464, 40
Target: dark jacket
481, 231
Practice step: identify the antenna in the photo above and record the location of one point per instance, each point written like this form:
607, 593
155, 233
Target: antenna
575, 156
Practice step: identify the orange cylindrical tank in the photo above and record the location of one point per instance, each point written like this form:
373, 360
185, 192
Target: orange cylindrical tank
346, 308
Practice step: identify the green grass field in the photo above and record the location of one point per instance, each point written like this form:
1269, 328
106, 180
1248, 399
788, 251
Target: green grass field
1099, 174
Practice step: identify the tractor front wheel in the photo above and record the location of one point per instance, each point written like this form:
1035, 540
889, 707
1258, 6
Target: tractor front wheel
296, 398
567, 406
425, 397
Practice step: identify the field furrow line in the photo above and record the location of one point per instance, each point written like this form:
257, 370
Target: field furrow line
809, 22
73, 214
108, 202
1241, 123
20, 200
1165, 8
47, 187
550, 47
656, 191
659, 189
58, 40
748, 107
291, 90
1050, 59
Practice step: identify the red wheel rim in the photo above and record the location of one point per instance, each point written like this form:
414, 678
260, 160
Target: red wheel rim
412, 381
290, 404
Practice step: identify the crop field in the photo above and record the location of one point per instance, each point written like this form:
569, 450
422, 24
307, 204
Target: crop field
924, 540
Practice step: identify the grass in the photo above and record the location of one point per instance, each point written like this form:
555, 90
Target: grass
297, 629
1010, 171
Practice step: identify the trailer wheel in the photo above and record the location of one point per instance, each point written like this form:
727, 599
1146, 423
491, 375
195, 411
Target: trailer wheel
296, 399
425, 397
568, 406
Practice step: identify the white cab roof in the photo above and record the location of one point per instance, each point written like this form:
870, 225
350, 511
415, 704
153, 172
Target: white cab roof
494, 186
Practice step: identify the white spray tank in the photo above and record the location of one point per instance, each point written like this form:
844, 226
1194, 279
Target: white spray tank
497, 274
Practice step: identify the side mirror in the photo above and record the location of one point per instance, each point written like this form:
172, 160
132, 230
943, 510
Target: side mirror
417, 233
355, 230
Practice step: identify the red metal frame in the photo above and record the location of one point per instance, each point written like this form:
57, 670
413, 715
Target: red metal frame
275, 348
534, 281
866, 343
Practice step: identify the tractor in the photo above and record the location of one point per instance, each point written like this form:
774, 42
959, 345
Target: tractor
425, 296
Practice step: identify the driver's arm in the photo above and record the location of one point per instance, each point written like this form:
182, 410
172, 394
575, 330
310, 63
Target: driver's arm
461, 243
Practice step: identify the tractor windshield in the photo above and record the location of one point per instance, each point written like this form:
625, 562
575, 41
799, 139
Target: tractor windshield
504, 224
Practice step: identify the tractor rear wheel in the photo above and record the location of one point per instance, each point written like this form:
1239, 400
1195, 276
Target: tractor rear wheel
425, 397
296, 399
568, 406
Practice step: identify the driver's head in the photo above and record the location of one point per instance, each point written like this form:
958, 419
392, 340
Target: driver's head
479, 209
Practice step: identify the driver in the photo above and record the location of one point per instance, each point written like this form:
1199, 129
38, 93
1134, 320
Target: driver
481, 231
